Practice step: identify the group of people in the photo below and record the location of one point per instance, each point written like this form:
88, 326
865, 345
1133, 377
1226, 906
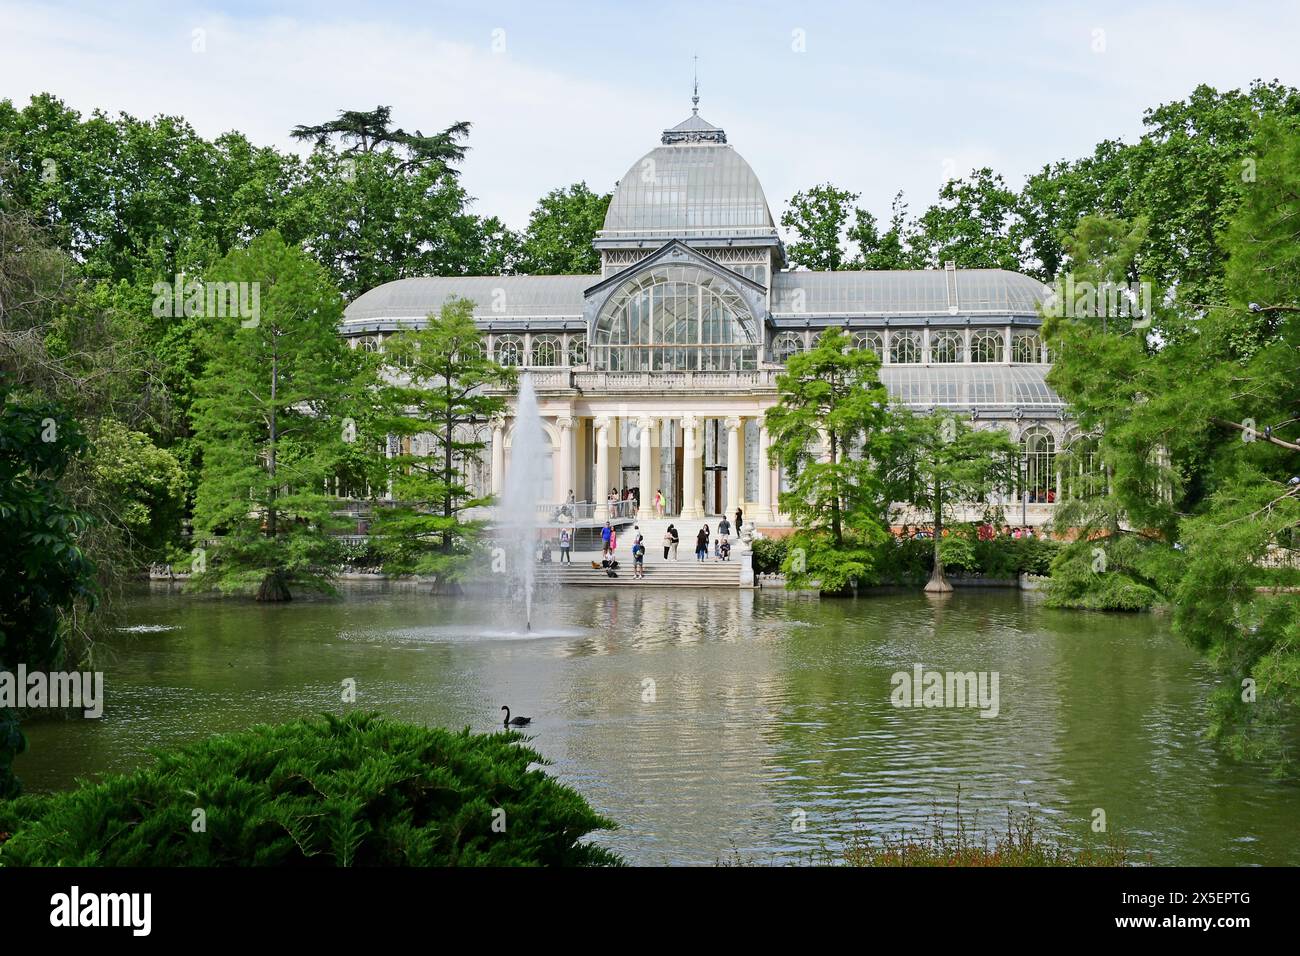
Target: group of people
985, 531
721, 543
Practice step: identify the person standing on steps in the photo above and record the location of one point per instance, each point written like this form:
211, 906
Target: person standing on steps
566, 545
659, 503
724, 527
605, 533
740, 520
702, 544
638, 557
668, 541
672, 530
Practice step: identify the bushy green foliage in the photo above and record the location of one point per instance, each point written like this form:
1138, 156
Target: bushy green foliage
43, 572
359, 790
1120, 573
909, 562
144, 486
769, 554
812, 559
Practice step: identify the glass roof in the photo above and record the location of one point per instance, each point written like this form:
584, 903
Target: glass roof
495, 297
689, 189
905, 292
963, 386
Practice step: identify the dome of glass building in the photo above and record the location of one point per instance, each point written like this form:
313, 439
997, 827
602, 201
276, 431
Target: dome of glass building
692, 185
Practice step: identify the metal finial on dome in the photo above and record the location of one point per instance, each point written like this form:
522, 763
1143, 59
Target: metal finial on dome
695, 98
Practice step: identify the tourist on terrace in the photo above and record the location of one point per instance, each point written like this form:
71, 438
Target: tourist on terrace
702, 544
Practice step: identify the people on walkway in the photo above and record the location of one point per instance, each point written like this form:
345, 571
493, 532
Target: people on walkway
605, 534
702, 544
659, 503
638, 557
566, 546
668, 541
740, 520
724, 526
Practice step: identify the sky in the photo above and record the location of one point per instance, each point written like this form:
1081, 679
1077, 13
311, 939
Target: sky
873, 97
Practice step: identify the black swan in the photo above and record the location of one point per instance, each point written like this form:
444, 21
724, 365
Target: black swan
516, 721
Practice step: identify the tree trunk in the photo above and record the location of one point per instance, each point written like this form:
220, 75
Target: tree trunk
274, 588
938, 584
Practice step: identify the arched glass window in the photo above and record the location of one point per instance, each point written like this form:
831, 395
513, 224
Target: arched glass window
1038, 449
1083, 474
1026, 347
548, 351
905, 347
986, 345
874, 341
578, 350
471, 351
947, 347
673, 318
509, 350
399, 354
368, 343
785, 345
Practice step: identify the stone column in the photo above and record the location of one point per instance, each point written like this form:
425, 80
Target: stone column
735, 467
564, 472
692, 506
601, 491
646, 479
765, 509
498, 456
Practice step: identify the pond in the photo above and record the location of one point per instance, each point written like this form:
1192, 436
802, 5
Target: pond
716, 725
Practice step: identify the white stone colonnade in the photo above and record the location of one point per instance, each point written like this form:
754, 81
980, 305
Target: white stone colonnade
592, 446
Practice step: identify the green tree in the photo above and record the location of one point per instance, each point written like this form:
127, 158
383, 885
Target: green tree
443, 387
143, 485
974, 224
560, 233
820, 218
270, 422
937, 462
44, 575
1201, 444
830, 413
1185, 176
365, 131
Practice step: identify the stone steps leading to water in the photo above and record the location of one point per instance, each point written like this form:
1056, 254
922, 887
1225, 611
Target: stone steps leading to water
684, 573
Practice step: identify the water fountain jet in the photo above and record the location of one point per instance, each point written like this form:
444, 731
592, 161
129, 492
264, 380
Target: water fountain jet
521, 495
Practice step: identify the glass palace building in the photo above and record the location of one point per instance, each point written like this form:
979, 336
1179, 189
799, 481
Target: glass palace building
655, 374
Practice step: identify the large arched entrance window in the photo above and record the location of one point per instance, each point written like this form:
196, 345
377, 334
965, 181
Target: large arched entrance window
675, 318
1039, 449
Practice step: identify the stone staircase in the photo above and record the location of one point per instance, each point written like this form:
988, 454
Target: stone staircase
685, 572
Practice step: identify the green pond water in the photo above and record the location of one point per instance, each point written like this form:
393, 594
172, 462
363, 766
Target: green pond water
763, 705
